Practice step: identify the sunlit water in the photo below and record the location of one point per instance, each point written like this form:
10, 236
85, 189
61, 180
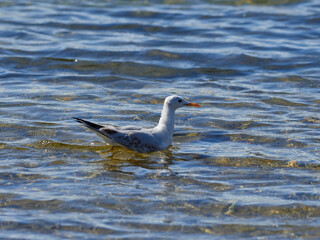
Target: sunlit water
245, 165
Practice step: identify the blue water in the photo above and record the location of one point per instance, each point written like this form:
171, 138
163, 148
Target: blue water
245, 165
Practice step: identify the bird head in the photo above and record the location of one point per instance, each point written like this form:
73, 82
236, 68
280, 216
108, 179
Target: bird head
178, 102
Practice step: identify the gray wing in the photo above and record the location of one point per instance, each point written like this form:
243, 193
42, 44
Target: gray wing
142, 142
129, 128
135, 138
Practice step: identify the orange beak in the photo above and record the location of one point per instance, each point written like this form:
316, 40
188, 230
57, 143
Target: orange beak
193, 105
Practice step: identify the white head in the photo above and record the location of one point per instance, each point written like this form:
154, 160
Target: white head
178, 102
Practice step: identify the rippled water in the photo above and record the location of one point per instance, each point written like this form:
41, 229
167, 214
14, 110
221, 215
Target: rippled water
245, 165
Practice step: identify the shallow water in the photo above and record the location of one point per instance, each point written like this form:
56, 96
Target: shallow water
245, 165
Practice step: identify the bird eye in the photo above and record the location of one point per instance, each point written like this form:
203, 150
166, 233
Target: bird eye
179, 100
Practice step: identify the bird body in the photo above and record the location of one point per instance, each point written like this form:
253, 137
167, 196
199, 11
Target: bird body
143, 140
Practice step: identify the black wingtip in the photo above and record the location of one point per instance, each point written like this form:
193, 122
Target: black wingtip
78, 119
87, 123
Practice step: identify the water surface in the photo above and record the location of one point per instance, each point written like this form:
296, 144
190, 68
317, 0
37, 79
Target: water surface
245, 165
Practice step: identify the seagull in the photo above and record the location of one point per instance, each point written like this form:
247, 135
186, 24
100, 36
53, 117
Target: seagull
139, 139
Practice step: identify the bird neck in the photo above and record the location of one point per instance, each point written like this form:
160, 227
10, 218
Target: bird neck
167, 118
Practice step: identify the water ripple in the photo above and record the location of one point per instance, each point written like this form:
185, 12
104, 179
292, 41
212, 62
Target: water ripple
244, 165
